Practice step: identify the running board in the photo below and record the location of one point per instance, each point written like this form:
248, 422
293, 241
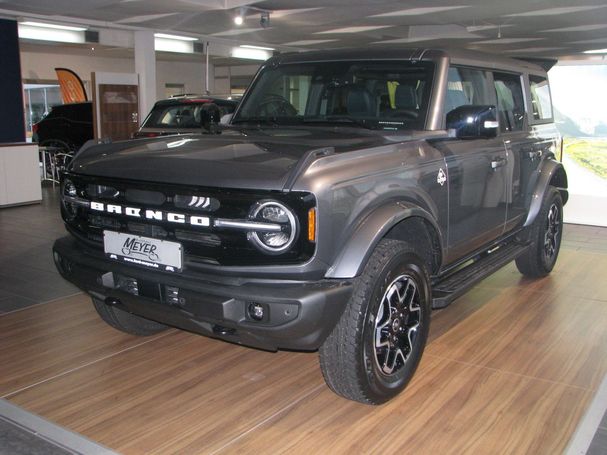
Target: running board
455, 285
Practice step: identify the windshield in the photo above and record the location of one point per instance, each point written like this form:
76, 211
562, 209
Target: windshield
377, 94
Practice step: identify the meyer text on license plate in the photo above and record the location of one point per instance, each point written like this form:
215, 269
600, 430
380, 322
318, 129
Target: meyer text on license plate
155, 254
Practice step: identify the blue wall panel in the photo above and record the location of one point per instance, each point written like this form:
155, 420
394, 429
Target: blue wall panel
12, 122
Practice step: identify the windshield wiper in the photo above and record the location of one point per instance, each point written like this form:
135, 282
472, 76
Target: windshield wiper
257, 121
364, 123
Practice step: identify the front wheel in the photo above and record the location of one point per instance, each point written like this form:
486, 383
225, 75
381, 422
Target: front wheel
375, 348
545, 236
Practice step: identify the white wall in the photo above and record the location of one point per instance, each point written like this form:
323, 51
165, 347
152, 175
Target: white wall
191, 74
35, 65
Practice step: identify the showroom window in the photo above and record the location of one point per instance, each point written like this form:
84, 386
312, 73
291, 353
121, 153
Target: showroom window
39, 99
510, 102
540, 98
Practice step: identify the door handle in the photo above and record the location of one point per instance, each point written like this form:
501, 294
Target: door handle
498, 162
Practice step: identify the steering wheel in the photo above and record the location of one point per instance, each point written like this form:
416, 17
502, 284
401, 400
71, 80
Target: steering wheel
275, 106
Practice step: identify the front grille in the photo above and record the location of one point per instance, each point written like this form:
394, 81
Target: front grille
148, 230
202, 241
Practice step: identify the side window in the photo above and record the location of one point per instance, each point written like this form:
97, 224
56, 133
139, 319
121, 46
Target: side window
466, 86
510, 102
540, 98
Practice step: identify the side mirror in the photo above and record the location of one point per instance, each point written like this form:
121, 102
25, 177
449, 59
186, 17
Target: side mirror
472, 121
209, 118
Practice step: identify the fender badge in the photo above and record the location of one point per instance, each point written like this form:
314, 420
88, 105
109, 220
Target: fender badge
441, 178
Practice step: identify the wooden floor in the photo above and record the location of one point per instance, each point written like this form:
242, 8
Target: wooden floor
510, 368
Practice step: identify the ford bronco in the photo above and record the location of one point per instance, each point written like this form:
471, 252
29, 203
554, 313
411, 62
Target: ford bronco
353, 192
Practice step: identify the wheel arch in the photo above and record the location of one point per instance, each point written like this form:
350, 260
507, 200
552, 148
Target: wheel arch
552, 173
399, 221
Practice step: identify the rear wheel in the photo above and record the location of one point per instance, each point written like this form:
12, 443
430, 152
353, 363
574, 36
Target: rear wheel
127, 322
545, 236
375, 348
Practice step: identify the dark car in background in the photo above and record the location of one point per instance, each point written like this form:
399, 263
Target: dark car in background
182, 114
66, 126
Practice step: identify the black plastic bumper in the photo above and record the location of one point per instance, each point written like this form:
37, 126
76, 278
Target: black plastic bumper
296, 315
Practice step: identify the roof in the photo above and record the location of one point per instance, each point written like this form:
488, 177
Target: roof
461, 56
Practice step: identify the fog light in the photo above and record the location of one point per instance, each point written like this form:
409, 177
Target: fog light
256, 311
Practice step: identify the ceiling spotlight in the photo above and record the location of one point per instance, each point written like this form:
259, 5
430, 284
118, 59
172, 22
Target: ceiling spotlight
264, 21
239, 18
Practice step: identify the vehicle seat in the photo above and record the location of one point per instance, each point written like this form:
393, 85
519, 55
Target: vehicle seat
185, 117
360, 102
405, 97
405, 102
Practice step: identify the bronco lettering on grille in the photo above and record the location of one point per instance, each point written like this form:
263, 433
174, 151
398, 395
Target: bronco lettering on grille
158, 215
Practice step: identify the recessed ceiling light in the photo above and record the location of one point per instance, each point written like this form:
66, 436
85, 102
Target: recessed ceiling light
309, 42
596, 51
54, 26
355, 29
175, 37
555, 11
419, 11
507, 40
250, 46
251, 54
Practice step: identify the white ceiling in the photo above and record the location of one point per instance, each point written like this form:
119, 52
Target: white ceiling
537, 28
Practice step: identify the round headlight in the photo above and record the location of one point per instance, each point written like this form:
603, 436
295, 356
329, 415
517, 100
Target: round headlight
280, 228
70, 209
69, 189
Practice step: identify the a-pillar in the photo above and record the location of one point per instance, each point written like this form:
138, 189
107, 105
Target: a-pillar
145, 66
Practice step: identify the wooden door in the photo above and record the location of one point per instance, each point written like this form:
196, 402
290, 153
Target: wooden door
118, 110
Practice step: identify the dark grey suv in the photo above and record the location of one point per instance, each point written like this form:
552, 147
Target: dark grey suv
353, 192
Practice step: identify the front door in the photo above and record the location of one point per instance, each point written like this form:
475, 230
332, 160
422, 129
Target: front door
477, 170
478, 201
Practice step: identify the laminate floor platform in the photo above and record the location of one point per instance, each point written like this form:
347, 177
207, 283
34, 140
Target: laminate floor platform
511, 367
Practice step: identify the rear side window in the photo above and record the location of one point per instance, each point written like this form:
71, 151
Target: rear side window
467, 86
186, 115
540, 98
510, 102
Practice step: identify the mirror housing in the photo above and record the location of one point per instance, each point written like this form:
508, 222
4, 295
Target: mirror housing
473, 121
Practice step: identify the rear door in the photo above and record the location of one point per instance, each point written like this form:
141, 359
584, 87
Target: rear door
519, 143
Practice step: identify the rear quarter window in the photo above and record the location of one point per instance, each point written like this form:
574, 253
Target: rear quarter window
540, 98
510, 101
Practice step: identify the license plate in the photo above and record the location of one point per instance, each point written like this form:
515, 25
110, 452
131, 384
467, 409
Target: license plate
155, 254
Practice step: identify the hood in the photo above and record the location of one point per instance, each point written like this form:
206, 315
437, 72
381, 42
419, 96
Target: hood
261, 159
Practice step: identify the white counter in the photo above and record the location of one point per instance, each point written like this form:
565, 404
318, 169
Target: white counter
19, 174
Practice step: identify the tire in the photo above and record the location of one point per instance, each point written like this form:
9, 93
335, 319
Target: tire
127, 322
359, 360
545, 237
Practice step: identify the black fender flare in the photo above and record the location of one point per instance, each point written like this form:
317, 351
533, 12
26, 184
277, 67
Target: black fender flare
355, 252
550, 171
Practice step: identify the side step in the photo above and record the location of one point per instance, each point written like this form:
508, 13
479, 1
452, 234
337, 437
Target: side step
458, 283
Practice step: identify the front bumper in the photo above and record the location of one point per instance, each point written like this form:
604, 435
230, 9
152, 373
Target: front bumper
297, 315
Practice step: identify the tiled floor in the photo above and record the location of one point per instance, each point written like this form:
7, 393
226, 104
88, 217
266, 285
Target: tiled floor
28, 275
